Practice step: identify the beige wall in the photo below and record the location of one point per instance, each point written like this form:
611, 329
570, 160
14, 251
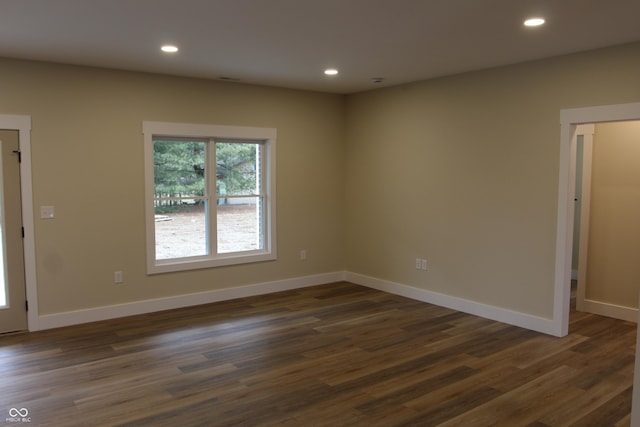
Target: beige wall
463, 171
87, 159
613, 267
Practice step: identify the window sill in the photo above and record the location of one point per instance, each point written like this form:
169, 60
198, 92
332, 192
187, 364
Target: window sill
184, 264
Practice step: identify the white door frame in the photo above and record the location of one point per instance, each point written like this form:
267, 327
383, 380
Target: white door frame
22, 124
587, 132
569, 120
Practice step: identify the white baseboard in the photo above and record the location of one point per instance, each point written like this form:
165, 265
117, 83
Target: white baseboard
523, 320
610, 310
148, 306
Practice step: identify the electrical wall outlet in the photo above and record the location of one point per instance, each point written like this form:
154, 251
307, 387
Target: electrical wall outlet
118, 277
303, 255
418, 263
423, 264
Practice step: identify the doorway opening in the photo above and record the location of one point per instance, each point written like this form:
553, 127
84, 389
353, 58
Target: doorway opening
3, 281
13, 315
21, 126
607, 207
570, 119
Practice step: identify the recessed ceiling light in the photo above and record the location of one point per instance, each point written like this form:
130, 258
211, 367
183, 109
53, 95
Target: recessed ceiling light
169, 48
534, 22
331, 72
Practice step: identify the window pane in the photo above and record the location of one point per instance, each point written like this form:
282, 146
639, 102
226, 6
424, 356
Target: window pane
179, 185
240, 224
181, 231
236, 169
179, 168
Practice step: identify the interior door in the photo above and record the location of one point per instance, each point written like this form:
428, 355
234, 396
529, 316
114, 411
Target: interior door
13, 311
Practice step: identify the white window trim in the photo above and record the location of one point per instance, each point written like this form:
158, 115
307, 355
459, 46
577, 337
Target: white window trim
268, 135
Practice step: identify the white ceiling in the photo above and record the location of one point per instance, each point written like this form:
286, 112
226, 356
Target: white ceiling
288, 43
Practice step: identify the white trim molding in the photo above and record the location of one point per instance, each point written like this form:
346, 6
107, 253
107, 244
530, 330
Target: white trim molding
587, 132
58, 320
515, 318
510, 317
629, 314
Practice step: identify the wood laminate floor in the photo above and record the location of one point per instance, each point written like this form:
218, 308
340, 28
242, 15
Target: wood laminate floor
331, 355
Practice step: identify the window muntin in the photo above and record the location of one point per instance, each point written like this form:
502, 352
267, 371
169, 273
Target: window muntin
211, 193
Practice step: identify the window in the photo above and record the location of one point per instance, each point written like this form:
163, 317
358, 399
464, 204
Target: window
210, 195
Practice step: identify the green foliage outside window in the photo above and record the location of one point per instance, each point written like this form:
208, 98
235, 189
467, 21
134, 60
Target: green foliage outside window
236, 168
180, 171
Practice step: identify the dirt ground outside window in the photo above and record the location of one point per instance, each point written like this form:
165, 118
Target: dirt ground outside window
183, 233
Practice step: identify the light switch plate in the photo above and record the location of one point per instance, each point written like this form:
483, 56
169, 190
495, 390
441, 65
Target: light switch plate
47, 212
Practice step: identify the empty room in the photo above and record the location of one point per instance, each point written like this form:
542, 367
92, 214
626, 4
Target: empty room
304, 213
